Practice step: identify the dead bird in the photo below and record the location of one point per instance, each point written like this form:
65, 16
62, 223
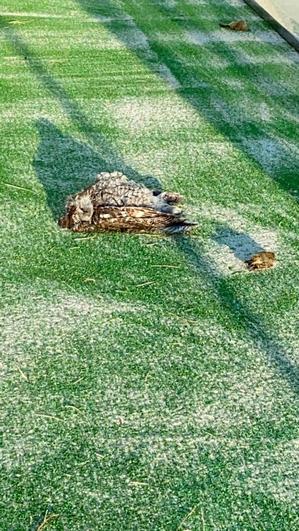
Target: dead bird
236, 25
115, 203
262, 260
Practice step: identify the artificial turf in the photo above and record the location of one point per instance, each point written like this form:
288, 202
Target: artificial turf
148, 383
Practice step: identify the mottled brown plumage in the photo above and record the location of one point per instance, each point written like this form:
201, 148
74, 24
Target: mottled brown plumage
115, 203
128, 219
236, 25
262, 260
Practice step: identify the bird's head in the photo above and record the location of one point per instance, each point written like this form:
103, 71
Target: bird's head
79, 210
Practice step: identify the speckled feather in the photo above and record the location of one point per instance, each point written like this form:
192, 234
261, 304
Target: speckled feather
115, 203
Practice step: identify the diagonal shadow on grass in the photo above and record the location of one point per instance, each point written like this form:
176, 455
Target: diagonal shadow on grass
61, 151
251, 325
203, 81
241, 244
130, 15
102, 152
96, 154
64, 165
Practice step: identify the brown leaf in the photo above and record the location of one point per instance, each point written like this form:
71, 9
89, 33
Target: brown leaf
262, 260
236, 25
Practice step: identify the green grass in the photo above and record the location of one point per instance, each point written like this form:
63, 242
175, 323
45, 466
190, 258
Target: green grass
148, 383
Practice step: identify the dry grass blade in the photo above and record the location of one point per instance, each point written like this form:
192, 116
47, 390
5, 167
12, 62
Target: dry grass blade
84, 238
145, 284
187, 517
22, 373
18, 187
47, 519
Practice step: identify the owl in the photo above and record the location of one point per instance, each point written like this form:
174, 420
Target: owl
116, 203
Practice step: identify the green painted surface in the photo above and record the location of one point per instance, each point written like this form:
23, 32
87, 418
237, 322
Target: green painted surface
148, 383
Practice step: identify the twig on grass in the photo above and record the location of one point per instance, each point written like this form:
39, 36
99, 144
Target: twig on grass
84, 463
77, 381
84, 238
145, 284
22, 373
187, 517
16, 22
47, 518
151, 243
18, 187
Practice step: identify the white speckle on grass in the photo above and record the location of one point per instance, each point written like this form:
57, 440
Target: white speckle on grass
32, 14
246, 398
193, 82
168, 76
218, 62
42, 324
276, 473
232, 248
277, 88
197, 37
272, 153
169, 4
234, 83
230, 37
107, 20
245, 57
235, 239
202, 154
197, 2
29, 110
243, 111
234, 3
159, 113
92, 41
133, 37
249, 15
170, 37
261, 111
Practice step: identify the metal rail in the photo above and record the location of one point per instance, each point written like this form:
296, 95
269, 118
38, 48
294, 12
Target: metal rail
278, 26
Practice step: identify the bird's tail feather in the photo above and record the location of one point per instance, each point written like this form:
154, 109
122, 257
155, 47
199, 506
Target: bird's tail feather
179, 227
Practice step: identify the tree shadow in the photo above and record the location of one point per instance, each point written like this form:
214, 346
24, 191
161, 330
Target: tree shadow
60, 154
65, 165
249, 323
212, 75
241, 244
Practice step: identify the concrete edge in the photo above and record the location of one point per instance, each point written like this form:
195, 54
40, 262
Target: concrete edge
284, 32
